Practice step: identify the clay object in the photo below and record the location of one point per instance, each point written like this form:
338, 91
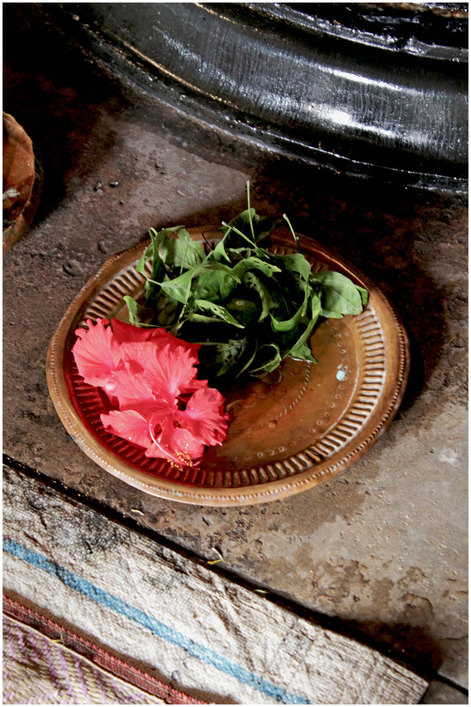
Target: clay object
21, 182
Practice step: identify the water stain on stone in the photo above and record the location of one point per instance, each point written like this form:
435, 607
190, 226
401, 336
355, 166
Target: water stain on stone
418, 610
327, 503
414, 577
338, 581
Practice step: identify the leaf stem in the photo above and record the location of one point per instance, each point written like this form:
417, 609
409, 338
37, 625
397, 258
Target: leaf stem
249, 211
233, 228
296, 239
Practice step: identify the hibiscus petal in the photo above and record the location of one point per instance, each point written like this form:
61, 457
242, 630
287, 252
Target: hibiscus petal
168, 371
186, 445
133, 391
128, 424
126, 333
204, 416
97, 353
177, 445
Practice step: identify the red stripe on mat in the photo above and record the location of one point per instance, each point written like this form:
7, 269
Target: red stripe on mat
97, 655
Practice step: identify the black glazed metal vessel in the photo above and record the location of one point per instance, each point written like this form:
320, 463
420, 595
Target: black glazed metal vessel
375, 90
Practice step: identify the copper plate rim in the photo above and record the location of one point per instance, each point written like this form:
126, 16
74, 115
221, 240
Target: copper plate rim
302, 480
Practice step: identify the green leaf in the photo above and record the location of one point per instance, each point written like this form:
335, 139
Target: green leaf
273, 360
164, 232
249, 227
183, 252
167, 310
302, 352
216, 282
245, 310
249, 361
151, 252
363, 294
238, 254
195, 318
241, 223
223, 356
301, 341
147, 255
219, 252
254, 283
297, 317
132, 310
218, 311
263, 227
157, 268
296, 263
156, 252
339, 294
287, 324
179, 288
254, 263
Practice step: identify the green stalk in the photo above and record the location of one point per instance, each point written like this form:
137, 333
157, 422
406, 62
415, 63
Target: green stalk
239, 233
296, 239
248, 207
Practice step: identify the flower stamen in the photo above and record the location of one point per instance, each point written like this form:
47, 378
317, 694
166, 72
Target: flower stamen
180, 460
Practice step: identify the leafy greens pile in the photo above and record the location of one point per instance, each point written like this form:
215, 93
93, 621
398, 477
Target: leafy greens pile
249, 308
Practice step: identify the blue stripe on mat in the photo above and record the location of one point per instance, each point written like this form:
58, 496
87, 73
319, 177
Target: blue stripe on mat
197, 650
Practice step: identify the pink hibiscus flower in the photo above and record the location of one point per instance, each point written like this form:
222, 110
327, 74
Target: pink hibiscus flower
151, 377
97, 354
125, 333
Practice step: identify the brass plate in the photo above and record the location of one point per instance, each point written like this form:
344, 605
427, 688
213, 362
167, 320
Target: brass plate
301, 425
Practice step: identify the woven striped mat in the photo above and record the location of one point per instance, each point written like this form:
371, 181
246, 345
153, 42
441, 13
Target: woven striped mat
97, 613
41, 670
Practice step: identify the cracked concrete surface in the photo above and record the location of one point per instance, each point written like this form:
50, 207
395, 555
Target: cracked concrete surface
383, 547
